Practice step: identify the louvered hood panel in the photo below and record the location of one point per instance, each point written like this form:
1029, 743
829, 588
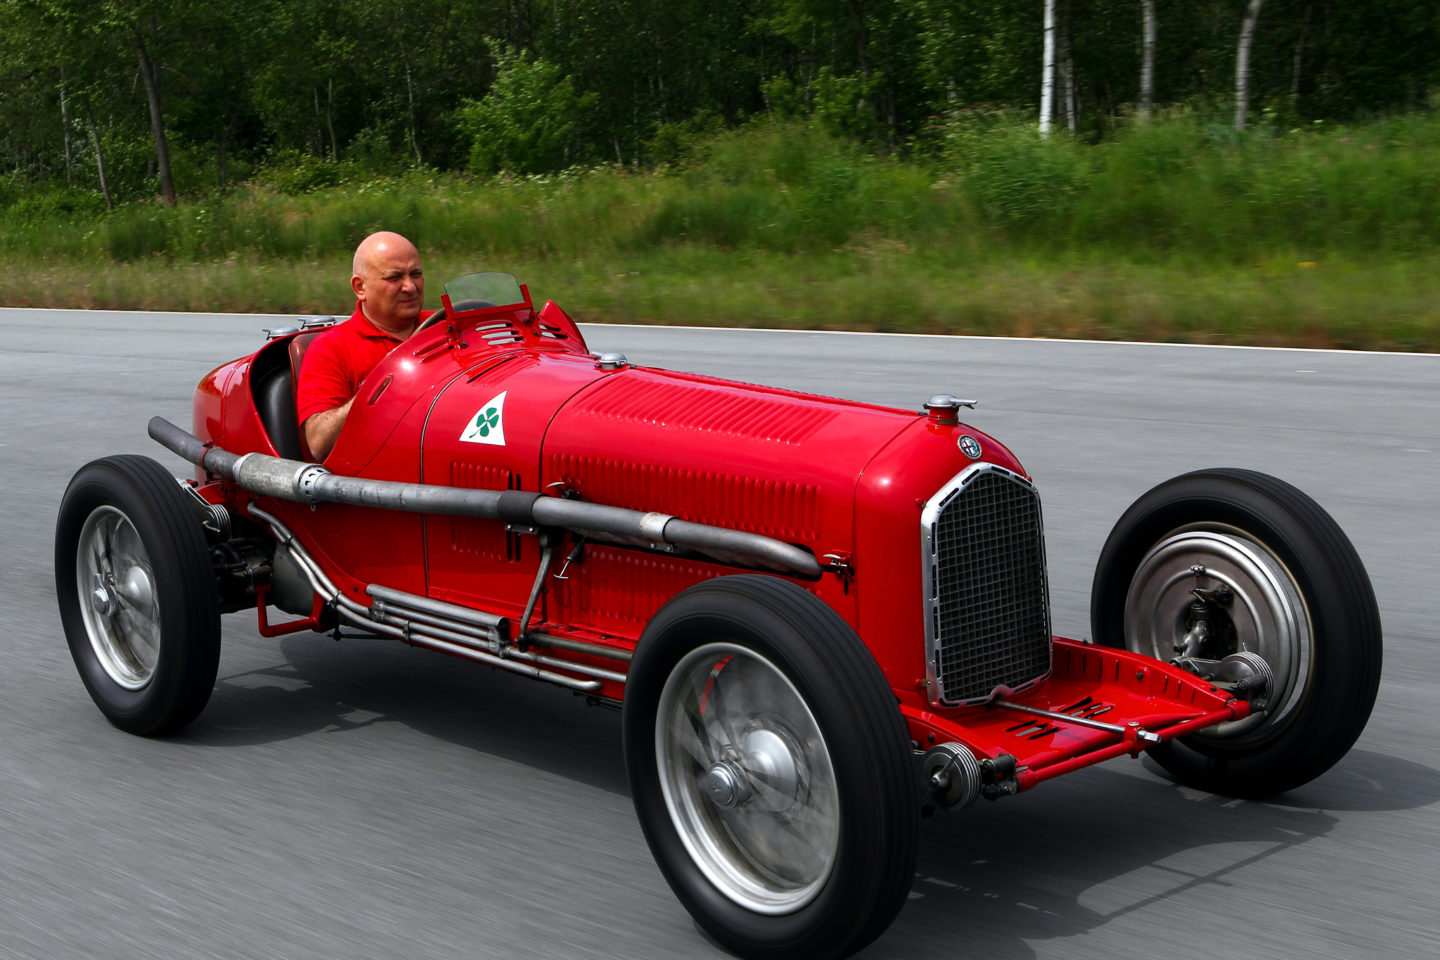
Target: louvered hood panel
758, 459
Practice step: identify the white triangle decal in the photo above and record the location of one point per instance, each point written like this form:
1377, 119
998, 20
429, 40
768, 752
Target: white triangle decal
488, 424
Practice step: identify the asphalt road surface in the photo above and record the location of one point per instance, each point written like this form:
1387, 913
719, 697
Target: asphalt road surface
366, 800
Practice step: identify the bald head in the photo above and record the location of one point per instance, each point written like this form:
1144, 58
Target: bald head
388, 281
378, 246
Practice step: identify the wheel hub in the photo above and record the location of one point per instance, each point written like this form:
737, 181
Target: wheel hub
136, 590
747, 780
1210, 592
122, 617
102, 601
770, 758
726, 785
765, 755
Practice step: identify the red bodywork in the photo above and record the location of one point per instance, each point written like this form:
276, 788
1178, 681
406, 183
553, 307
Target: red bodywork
845, 480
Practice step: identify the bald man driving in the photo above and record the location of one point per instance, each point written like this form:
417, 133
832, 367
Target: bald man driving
389, 289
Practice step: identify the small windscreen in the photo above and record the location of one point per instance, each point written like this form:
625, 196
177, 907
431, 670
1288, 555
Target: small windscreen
477, 290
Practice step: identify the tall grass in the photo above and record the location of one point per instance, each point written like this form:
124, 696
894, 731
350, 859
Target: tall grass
1181, 228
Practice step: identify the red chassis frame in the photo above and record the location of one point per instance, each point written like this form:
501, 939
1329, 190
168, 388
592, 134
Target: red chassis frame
1142, 701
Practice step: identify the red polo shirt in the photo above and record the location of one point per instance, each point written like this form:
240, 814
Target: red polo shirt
338, 362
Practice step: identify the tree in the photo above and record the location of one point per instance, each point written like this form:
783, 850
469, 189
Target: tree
1147, 60
144, 30
105, 30
975, 53
44, 63
309, 81
865, 50
526, 122
1047, 72
211, 105
1242, 61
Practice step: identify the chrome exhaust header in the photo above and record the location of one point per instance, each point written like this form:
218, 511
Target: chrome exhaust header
399, 616
312, 483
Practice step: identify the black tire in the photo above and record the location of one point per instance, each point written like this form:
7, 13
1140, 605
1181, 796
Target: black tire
1316, 625
771, 655
144, 629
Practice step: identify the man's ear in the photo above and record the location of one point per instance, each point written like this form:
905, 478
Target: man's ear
358, 285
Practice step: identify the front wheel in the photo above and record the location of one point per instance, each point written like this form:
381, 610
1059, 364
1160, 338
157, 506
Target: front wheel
771, 770
137, 595
1223, 562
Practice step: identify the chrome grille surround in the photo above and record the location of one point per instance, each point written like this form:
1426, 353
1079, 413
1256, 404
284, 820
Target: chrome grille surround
987, 608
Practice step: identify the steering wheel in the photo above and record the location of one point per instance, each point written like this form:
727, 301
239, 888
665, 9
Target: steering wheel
431, 320
462, 307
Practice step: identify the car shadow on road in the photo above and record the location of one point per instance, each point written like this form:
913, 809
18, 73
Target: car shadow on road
1368, 782
316, 686
1077, 854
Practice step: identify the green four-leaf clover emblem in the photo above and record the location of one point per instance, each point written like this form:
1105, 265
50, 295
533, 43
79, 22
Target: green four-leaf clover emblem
487, 421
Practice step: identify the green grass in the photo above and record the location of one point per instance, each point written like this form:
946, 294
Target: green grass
1179, 231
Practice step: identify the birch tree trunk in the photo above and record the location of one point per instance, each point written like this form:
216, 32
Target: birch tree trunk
1047, 72
410, 97
1242, 62
65, 123
330, 118
1147, 59
99, 158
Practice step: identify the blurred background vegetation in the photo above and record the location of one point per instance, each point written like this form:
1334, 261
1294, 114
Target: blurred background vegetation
830, 163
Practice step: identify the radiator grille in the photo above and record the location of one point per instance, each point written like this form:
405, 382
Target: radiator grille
988, 622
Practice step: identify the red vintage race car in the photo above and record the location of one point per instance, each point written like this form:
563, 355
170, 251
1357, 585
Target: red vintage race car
821, 618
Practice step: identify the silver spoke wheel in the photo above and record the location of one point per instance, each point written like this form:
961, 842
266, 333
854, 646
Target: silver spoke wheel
1263, 612
743, 694
115, 581
138, 595
747, 779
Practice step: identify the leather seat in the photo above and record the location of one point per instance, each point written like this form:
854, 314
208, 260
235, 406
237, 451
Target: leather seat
273, 380
298, 346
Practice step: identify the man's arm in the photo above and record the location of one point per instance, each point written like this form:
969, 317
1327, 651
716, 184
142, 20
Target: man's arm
323, 396
322, 429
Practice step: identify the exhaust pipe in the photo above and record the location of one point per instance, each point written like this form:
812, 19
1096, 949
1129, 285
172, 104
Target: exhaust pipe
311, 483
458, 639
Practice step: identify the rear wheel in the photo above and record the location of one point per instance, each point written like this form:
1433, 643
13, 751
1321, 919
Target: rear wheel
771, 770
137, 596
1223, 562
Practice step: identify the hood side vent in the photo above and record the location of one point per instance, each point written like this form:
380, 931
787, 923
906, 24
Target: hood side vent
686, 406
478, 537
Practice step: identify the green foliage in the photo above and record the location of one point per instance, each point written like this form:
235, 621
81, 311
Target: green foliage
686, 140
1174, 189
526, 123
784, 187
1021, 182
293, 173
62, 204
533, 86
1175, 229
844, 104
